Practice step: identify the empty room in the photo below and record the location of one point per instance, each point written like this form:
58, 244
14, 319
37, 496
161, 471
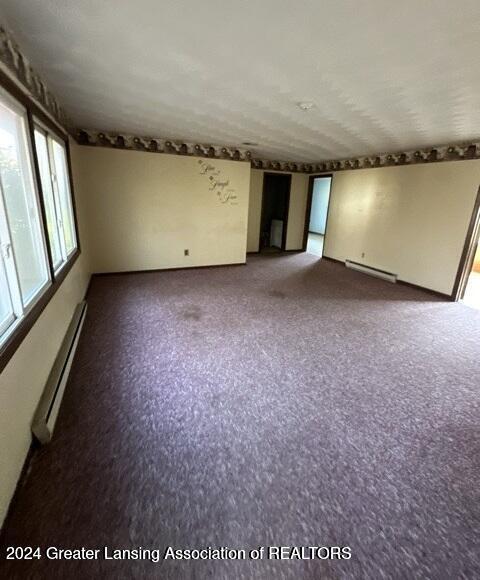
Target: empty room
239, 290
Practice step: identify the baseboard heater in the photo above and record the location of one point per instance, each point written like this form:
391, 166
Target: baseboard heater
47, 411
371, 271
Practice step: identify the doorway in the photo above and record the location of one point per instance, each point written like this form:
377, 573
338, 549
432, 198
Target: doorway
317, 214
275, 206
471, 296
467, 283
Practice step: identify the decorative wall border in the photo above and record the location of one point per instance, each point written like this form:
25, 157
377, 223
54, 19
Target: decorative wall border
159, 145
290, 166
19, 67
441, 153
454, 152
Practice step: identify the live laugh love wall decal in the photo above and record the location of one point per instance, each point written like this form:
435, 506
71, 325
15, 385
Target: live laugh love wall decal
218, 183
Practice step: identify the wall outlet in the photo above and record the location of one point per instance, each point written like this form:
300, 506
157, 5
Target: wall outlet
186, 252
363, 254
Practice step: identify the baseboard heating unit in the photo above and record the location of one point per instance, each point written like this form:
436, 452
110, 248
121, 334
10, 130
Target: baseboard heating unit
47, 411
371, 271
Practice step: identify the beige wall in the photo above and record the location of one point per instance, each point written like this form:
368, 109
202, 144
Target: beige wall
23, 379
296, 213
254, 210
410, 220
145, 208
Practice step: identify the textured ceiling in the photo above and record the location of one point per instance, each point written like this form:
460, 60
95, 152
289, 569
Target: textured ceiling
384, 77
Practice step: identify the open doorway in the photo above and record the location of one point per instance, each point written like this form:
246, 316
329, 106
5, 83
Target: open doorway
471, 296
275, 206
467, 283
317, 214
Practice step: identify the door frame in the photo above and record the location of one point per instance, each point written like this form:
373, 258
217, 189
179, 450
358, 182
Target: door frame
287, 208
308, 209
468, 253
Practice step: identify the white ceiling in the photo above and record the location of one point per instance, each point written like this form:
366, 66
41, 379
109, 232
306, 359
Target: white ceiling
384, 76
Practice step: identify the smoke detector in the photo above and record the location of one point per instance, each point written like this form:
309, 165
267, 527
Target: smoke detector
305, 105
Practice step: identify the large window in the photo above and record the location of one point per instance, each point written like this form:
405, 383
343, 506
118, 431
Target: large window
24, 270
52, 161
38, 241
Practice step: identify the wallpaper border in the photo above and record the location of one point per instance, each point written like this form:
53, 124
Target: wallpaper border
175, 147
435, 154
159, 145
20, 68
455, 152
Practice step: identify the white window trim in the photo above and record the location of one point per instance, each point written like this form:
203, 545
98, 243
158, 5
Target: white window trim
38, 128
70, 195
51, 136
20, 308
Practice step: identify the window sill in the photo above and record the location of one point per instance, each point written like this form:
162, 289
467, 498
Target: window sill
15, 339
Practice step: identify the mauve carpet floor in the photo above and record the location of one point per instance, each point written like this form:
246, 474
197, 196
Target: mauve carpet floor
287, 402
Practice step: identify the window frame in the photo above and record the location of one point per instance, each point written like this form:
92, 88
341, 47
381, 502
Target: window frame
56, 266
51, 137
25, 304
35, 116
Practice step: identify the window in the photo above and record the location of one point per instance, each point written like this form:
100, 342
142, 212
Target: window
38, 238
48, 198
52, 161
24, 271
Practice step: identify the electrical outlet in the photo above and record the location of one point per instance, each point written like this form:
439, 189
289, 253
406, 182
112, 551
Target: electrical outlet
363, 254
186, 252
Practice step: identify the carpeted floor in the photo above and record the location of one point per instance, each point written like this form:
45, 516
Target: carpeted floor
287, 402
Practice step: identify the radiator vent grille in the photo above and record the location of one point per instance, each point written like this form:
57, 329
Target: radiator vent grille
388, 276
47, 410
